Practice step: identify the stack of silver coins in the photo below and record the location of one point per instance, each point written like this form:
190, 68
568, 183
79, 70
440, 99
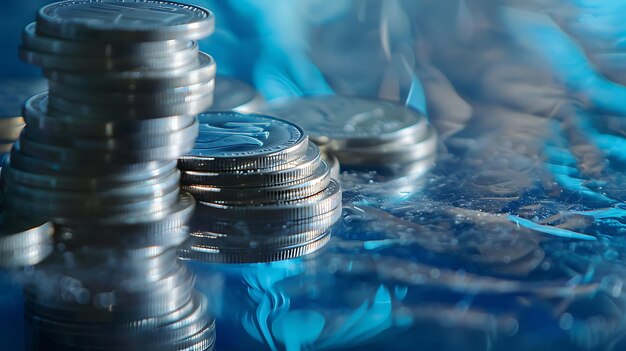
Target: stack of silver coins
365, 134
236, 95
98, 158
263, 191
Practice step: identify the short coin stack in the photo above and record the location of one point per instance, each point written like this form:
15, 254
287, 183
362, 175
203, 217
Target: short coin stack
365, 134
98, 158
263, 192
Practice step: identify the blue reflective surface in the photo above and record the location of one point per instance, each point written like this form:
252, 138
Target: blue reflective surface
515, 241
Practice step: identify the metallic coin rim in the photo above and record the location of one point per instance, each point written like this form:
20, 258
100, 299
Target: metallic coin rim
180, 296
37, 115
49, 181
193, 106
340, 141
121, 172
51, 45
33, 233
27, 256
132, 142
291, 172
262, 241
122, 194
334, 164
315, 205
264, 228
135, 326
147, 210
57, 27
72, 334
235, 161
391, 153
70, 63
252, 256
303, 188
174, 95
174, 217
204, 71
70, 155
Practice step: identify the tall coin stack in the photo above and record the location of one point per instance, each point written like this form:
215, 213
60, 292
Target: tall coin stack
98, 158
365, 134
263, 191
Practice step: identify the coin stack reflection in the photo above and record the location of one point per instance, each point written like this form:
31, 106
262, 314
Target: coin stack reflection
365, 134
263, 191
98, 158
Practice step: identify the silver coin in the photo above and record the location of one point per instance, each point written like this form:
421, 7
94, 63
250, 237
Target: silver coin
227, 255
177, 137
390, 153
236, 95
287, 173
201, 341
123, 307
303, 188
194, 105
165, 239
141, 80
111, 335
259, 242
114, 173
172, 219
167, 96
71, 155
69, 213
38, 117
254, 229
78, 182
21, 232
313, 206
126, 20
102, 269
130, 325
153, 339
345, 122
334, 164
27, 256
233, 141
182, 58
123, 313
40, 43
112, 196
